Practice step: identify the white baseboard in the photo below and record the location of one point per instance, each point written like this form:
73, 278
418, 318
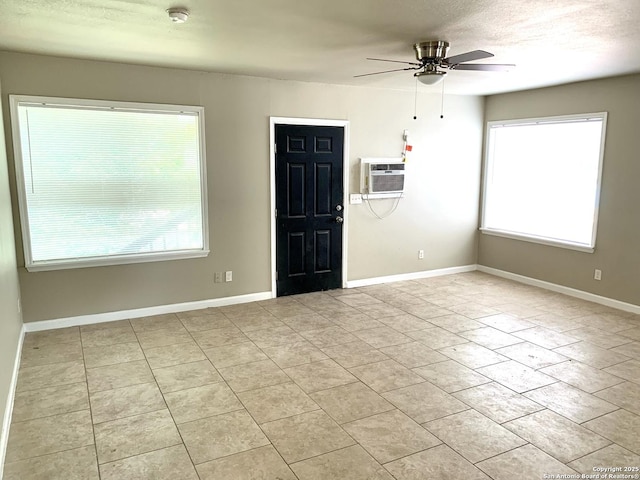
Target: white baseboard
143, 312
554, 287
365, 282
253, 297
8, 411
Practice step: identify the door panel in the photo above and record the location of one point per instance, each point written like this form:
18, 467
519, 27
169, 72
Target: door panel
296, 254
322, 252
309, 168
296, 190
323, 189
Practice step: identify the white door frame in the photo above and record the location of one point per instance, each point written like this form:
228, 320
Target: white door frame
315, 122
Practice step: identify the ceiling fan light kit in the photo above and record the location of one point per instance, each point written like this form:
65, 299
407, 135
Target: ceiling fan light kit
430, 77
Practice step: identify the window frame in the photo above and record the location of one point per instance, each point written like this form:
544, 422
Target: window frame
487, 170
83, 262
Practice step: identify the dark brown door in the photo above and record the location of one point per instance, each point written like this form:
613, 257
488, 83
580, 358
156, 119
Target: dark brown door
309, 194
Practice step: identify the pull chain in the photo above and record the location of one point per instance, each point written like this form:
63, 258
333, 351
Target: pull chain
415, 102
442, 101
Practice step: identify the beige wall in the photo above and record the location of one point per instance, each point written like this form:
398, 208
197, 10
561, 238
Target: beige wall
438, 215
10, 318
617, 251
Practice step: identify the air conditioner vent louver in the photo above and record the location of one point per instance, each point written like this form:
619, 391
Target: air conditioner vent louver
387, 166
387, 183
383, 177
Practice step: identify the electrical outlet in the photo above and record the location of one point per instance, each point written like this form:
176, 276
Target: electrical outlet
597, 275
355, 198
420, 254
228, 276
217, 278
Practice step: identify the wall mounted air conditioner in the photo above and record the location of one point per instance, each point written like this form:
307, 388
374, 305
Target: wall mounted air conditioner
382, 176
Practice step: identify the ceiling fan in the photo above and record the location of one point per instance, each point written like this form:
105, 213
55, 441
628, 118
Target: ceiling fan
432, 58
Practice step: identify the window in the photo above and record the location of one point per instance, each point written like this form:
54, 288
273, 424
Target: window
542, 179
105, 183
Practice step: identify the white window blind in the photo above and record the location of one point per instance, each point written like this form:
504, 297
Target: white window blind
108, 182
542, 179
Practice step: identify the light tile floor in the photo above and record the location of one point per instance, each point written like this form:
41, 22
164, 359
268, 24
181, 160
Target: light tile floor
461, 377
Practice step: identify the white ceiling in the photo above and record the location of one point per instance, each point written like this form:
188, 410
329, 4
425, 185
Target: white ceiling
550, 41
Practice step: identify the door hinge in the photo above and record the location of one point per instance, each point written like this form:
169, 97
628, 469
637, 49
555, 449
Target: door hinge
275, 148
276, 275
276, 213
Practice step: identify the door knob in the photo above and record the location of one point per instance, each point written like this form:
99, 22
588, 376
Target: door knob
339, 208
339, 219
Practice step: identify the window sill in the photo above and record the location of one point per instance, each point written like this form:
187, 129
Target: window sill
538, 240
115, 260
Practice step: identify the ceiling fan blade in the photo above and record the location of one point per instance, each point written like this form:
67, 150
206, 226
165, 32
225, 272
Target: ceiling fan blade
467, 57
386, 71
488, 67
394, 61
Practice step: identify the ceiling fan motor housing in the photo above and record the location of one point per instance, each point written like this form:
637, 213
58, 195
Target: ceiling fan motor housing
428, 51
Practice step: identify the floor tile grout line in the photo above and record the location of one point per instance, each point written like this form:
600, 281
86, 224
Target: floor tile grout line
501, 425
582, 424
47, 365
164, 400
111, 344
521, 446
136, 384
132, 415
206, 384
542, 407
190, 362
119, 363
622, 380
110, 364
577, 424
207, 417
337, 450
595, 451
93, 430
51, 454
265, 433
416, 453
288, 416
372, 415
52, 344
49, 386
501, 453
51, 416
249, 450
143, 453
331, 451
448, 415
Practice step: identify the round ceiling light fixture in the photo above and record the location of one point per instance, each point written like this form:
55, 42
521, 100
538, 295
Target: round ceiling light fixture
178, 15
430, 77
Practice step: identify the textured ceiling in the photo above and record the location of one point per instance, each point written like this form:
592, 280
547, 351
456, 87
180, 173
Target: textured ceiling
550, 41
